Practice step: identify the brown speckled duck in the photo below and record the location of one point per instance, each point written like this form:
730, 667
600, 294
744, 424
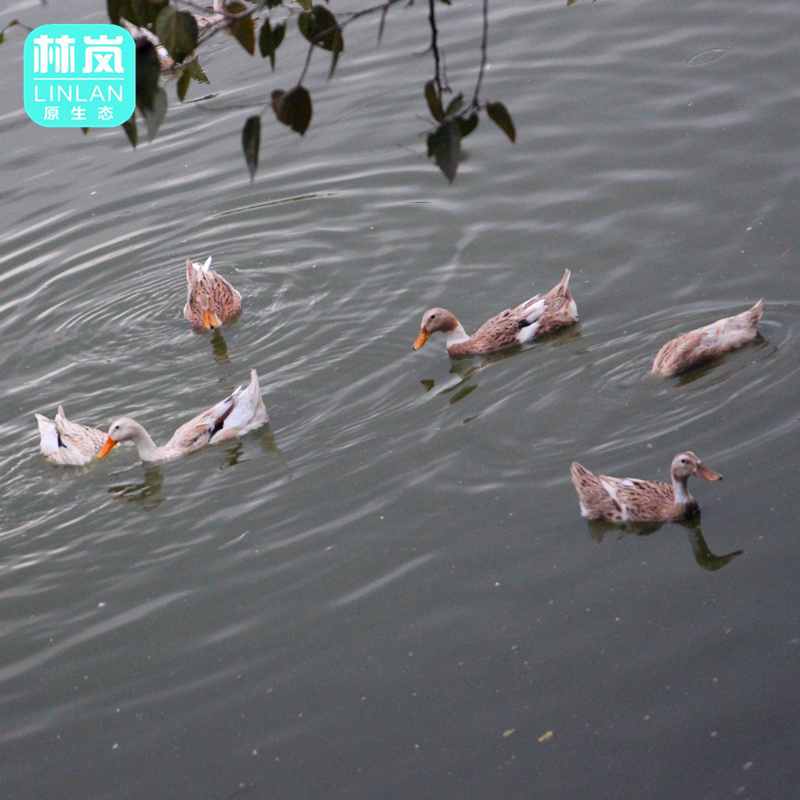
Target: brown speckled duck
68, 443
708, 342
535, 317
634, 500
210, 299
232, 417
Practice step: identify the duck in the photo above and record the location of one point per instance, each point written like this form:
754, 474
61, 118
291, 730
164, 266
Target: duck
634, 500
537, 316
67, 443
240, 412
210, 299
710, 341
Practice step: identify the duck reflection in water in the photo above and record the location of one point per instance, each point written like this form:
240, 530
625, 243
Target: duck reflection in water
219, 349
702, 553
462, 372
463, 367
146, 493
264, 437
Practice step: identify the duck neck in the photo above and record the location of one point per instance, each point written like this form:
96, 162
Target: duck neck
680, 489
148, 450
456, 336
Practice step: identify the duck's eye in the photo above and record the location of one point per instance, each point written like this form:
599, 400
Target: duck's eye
431, 317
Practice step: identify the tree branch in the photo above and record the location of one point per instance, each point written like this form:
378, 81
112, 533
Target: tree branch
340, 26
435, 48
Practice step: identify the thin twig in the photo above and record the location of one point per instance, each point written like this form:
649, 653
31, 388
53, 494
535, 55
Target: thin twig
435, 48
340, 26
484, 51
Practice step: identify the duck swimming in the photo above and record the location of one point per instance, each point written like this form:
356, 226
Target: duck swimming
535, 317
210, 299
232, 417
705, 343
68, 443
634, 500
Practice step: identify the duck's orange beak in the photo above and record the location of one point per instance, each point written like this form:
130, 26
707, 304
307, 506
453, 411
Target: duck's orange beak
210, 319
422, 338
106, 447
704, 472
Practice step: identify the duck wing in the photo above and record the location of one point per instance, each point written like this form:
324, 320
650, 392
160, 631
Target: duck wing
248, 412
538, 315
200, 430
640, 500
510, 327
240, 412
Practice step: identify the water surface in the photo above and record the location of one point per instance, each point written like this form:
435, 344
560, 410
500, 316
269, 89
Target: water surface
390, 591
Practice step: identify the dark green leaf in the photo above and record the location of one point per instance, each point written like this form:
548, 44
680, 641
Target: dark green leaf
334, 62
444, 145
196, 71
129, 126
177, 31
139, 12
305, 4
270, 38
434, 104
467, 124
251, 140
148, 71
154, 116
293, 108
244, 32
183, 84
499, 115
244, 29
454, 106
320, 28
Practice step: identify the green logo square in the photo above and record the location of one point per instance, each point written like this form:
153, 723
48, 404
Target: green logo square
79, 76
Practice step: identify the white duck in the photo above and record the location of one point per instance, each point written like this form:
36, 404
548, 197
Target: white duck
234, 416
68, 443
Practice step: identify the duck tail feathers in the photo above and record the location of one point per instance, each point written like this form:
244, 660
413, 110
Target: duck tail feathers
755, 312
